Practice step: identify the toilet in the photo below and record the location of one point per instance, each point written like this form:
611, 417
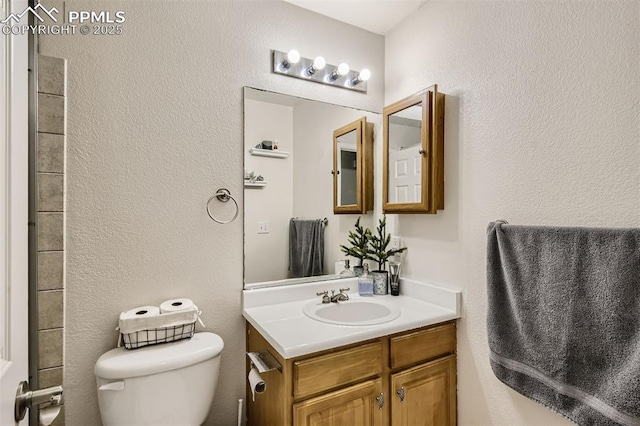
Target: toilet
166, 384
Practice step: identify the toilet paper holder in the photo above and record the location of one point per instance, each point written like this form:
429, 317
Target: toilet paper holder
264, 361
26, 398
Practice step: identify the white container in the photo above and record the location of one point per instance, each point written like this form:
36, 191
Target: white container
168, 384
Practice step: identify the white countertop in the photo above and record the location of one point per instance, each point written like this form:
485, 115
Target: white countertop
277, 313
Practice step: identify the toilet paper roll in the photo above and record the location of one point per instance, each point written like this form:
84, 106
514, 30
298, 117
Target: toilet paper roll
49, 414
257, 384
177, 305
140, 312
140, 318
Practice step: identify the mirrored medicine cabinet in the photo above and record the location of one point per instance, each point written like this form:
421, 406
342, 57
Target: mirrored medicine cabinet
353, 168
413, 154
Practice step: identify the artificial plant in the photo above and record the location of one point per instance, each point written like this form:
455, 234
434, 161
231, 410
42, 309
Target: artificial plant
359, 241
378, 245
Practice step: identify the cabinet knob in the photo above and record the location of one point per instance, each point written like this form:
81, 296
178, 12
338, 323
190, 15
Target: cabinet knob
401, 393
421, 151
380, 399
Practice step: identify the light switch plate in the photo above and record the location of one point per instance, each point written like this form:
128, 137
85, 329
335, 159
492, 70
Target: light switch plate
263, 227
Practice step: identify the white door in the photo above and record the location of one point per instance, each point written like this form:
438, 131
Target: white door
14, 192
405, 175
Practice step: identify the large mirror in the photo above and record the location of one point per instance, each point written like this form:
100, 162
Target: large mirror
413, 154
353, 168
288, 160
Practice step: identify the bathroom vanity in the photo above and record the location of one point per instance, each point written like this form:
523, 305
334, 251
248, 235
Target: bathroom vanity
399, 372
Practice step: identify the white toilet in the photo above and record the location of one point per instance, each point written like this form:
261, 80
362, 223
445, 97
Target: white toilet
167, 384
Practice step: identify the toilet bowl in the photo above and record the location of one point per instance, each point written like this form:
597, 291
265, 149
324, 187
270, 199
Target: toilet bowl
167, 384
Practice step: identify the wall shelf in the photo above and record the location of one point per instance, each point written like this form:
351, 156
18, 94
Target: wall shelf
257, 184
268, 153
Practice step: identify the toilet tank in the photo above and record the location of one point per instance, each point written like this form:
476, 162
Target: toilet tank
167, 384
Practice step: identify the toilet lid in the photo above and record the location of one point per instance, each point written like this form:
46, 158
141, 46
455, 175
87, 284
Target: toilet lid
121, 363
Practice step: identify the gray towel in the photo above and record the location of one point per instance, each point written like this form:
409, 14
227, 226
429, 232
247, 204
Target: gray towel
306, 247
563, 318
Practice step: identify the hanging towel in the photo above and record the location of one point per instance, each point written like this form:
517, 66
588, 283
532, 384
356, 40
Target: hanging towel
306, 247
564, 318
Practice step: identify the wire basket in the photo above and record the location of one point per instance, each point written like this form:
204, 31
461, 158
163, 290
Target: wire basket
154, 336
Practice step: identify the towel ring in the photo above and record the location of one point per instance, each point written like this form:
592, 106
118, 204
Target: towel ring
223, 195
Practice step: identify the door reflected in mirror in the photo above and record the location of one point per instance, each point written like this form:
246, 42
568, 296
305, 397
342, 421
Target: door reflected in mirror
405, 158
295, 180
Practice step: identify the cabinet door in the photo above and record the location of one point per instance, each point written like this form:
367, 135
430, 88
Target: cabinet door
353, 168
413, 154
356, 405
425, 395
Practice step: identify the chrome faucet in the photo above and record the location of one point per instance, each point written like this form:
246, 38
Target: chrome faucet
340, 297
334, 298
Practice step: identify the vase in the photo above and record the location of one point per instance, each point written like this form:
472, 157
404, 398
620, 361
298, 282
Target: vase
380, 282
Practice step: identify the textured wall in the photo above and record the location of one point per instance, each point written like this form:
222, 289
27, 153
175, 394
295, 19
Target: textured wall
541, 127
267, 255
154, 128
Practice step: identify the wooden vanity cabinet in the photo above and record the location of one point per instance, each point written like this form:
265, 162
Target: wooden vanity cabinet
407, 378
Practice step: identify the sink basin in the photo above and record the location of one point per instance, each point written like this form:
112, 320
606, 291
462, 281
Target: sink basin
352, 312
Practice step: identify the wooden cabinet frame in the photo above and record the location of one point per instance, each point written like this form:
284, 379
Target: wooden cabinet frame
432, 152
364, 160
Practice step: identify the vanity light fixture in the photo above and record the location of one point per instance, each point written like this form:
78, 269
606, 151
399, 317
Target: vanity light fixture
317, 65
317, 70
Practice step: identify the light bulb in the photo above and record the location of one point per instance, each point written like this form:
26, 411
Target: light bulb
292, 58
363, 75
342, 70
317, 65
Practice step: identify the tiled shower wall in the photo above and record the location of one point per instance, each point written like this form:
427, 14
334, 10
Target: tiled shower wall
51, 195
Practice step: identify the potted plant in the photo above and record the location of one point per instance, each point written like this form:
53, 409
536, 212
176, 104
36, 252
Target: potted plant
380, 253
359, 248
